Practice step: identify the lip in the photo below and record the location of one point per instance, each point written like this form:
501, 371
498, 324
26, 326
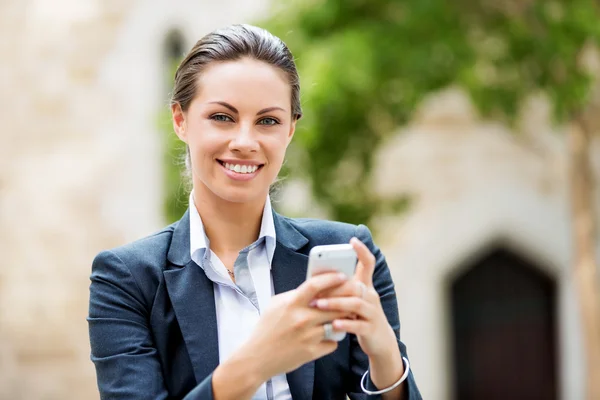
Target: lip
239, 162
239, 176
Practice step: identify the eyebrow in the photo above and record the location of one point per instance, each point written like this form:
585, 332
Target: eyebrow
234, 110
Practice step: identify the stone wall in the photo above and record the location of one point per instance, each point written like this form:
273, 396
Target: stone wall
53, 176
475, 187
81, 83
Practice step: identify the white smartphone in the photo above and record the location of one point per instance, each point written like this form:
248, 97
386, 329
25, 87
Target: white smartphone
332, 258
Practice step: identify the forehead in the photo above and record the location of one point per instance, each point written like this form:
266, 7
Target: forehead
244, 81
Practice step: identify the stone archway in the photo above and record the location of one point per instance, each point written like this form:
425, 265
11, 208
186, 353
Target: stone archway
504, 330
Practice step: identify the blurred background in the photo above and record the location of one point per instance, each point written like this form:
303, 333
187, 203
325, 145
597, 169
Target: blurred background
464, 133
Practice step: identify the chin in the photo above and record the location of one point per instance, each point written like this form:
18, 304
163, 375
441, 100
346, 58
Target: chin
240, 194
238, 198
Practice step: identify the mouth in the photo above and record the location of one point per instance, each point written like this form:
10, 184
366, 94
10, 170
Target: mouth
240, 171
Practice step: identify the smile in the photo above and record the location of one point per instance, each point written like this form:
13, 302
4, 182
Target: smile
240, 171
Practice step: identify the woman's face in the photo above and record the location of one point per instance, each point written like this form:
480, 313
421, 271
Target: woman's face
237, 128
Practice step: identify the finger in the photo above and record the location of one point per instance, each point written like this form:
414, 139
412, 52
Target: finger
349, 305
323, 347
319, 317
344, 315
349, 288
316, 284
357, 327
366, 262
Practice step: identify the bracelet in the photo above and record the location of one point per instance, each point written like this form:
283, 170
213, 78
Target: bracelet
395, 385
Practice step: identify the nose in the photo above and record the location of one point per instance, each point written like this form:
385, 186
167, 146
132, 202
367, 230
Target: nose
244, 140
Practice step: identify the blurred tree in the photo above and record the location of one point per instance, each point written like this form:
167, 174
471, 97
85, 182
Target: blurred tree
175, 183
366, 64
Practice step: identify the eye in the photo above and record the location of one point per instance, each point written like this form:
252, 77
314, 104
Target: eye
268, 121
221, 118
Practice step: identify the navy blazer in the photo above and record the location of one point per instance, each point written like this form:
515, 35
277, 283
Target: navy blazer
153, 325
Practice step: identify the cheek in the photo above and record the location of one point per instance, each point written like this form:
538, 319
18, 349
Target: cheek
204, 142
276, 149
200, 150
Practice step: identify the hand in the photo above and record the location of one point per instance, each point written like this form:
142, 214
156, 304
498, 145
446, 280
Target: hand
290, 332
358, 297
349, 288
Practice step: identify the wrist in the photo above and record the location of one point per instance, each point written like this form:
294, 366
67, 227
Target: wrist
391, 363
256, 361
395, 391
384, 373
386, 339
386, 367
238, 377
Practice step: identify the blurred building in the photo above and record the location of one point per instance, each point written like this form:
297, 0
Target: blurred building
482, 260
81, 84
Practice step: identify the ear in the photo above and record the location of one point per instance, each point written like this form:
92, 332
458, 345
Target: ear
178, 117
292, 130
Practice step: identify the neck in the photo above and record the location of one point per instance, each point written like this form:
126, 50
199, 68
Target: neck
229, 226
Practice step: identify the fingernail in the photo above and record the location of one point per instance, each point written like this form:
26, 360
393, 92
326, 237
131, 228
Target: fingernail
321, 303
313, 303
337, 324
342, 276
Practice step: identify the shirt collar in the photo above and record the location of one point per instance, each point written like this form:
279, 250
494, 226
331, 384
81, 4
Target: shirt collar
267, 225
199, 240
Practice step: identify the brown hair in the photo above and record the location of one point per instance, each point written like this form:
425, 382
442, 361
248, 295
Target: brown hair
232, 43
229, 44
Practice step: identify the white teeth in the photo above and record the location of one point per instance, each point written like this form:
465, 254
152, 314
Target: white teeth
241, 169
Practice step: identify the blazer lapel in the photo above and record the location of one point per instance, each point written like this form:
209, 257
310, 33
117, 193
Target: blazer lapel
192, 296
289, 271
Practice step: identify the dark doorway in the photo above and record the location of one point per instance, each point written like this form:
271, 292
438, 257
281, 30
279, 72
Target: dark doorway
174, 47
504, 331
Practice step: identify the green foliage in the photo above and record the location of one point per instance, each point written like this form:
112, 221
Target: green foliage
535, 48
175, 200
366, 64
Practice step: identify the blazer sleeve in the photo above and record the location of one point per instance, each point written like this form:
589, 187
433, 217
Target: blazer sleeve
122, 348
382, 281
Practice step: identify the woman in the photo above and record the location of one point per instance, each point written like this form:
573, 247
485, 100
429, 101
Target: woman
216, 305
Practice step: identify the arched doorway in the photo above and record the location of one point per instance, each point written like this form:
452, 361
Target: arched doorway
504, 331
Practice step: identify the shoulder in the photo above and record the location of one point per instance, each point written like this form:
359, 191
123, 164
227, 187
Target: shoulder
135, 268
131, 272
323, 232
320, 231
145, 255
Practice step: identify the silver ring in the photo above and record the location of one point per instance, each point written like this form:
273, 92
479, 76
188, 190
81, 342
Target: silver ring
328, 328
